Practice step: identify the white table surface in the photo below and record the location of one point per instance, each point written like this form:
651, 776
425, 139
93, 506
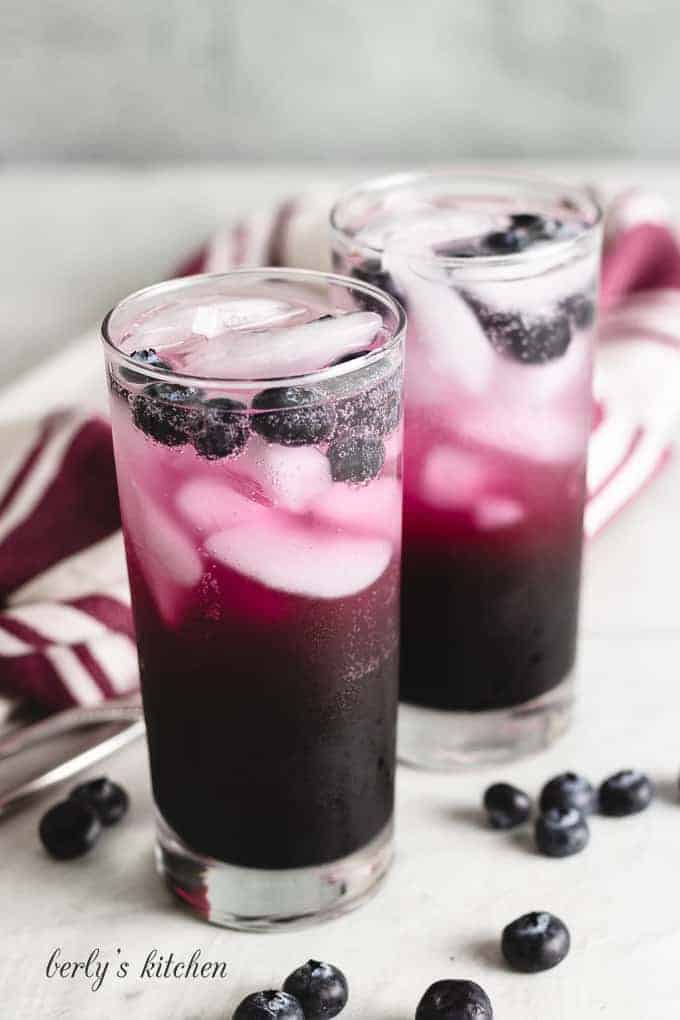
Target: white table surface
73, 241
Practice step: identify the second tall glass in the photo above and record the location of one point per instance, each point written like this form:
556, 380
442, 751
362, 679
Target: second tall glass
499, 278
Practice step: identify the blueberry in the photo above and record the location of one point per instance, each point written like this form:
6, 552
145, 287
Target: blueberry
535, 227
371, 271
69, 829
167, 412
303, 416
108, 800
356, 459
269, 1005
454, 1000
224, 430
375, 412
528, 221
505, 242
626, 793
569, 790
506, 806
320, 988
580, 310
561, 833
535, 942
148, 357
529, 340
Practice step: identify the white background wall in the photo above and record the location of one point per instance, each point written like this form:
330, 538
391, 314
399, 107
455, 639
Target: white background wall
143, 80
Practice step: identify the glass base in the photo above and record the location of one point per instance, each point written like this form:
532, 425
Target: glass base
435, 739
256, 899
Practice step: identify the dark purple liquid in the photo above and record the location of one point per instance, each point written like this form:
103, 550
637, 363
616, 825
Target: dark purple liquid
270, 718
490, 616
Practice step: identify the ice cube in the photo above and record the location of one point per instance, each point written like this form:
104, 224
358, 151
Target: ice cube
310, 562
212, 505
373, 509
291, 477
453, 477
268, 353
443, 326
168, 557
498, 512
241, 313
536, 432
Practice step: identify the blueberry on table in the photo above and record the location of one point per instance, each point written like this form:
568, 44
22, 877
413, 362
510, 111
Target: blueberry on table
454, 1000
320, 988
303, 416
626, 793
167, 412
69, 829
506, 806
269, 1005
569, 790
108, 800
148, 357
356, 459
224, 430
535, 942
561, 832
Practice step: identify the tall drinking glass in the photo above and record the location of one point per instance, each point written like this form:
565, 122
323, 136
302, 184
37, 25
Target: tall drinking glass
499, 279
256, 420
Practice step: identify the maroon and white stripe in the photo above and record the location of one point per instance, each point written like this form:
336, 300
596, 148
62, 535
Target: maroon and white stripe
66, 634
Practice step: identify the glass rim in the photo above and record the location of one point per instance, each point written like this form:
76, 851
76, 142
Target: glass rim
303, 378
584, 192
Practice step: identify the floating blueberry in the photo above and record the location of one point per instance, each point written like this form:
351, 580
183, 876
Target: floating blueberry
454, 1000
303, 416
356, 459
626, 793
561, 833
535, 942
69, 829
528, 221
371, 271
108, 800
569, 790
167, 412
320, 988
269, 1005
580, 310
376, 411
532, 341
506, 806
148, 357
505, 242
224, 430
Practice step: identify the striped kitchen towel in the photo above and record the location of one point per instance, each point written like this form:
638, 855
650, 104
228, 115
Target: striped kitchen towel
66, 634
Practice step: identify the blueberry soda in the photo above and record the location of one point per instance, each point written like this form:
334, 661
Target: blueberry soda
257, 429
499, 280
